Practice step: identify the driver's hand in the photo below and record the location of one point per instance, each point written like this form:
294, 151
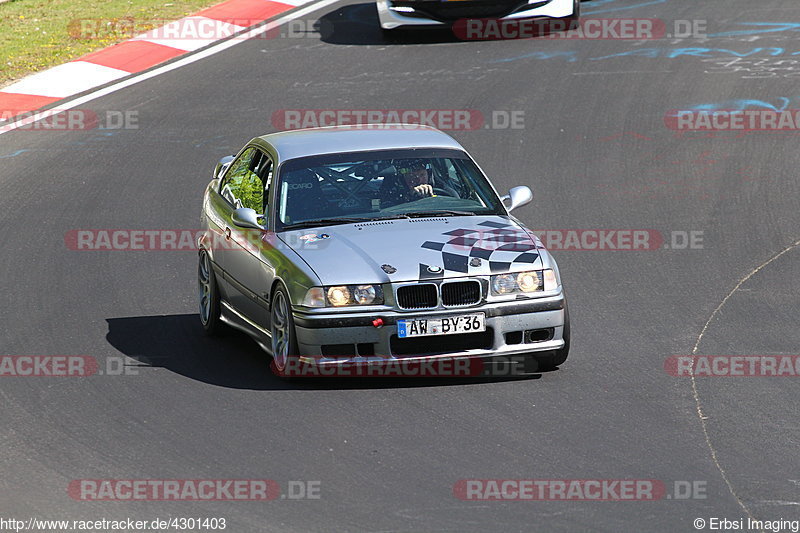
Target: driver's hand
422, 191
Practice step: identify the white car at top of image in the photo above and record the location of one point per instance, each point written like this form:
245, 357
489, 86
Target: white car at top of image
409, 14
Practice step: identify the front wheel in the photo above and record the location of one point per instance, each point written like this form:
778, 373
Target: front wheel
208, 296
284, 338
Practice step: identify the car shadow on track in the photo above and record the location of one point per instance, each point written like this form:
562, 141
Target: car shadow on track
358, 24
177, 343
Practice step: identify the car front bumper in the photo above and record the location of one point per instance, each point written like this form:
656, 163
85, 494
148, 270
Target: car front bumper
391, 19
512, 328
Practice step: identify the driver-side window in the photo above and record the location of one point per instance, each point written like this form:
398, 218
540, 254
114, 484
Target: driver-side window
242, 186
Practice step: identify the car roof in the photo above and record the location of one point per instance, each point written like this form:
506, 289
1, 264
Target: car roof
363, 138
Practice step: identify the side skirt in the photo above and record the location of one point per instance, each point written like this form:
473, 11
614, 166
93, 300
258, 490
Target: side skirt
236, 320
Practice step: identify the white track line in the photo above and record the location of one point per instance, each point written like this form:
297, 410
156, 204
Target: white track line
136, 78
695, 393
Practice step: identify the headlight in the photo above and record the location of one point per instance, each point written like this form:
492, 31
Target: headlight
550, 280
315, 297
364, 294
529, 281
524, 282
343, 295
339, 296
503, 284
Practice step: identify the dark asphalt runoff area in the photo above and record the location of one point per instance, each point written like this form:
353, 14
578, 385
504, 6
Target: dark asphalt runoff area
387, 454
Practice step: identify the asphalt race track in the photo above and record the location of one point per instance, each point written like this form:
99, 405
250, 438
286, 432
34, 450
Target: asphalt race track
388, 453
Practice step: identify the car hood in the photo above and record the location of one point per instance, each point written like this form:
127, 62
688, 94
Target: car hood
415, 249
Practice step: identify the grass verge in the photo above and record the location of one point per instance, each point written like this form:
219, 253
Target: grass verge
37, 34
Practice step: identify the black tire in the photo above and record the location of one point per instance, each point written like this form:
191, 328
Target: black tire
284, 338
208, 296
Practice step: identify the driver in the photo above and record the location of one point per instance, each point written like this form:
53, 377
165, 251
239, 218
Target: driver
411, 183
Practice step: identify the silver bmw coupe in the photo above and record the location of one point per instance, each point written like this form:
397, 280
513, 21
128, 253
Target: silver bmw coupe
371, 245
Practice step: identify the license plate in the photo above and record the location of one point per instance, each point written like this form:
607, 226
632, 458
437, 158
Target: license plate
449, 325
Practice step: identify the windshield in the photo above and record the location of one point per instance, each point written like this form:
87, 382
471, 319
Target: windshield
343, 188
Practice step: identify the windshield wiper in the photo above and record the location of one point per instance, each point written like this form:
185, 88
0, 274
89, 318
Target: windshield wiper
324, 222
439, 213
390, 217
353, 220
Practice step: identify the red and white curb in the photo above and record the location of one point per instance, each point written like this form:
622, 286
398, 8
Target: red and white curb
135, 55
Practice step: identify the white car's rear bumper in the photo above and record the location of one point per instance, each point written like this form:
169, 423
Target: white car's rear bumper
391, 19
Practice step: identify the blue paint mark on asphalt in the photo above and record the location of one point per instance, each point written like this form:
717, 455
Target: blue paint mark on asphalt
655, 53
766, 27
599, 3
742, 104
570, 56
18, 152
672, 53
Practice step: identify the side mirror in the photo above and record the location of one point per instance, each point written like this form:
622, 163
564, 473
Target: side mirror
244, 217
222, 166
518, 196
